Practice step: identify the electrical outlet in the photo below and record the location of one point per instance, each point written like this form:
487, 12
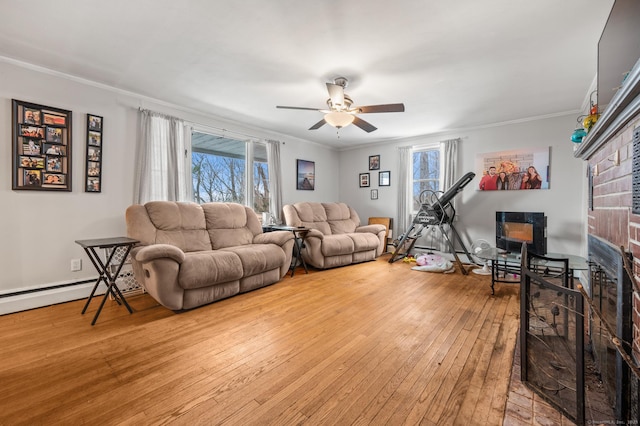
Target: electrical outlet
76, 265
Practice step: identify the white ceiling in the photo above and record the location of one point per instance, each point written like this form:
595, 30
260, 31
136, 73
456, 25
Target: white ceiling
455, 64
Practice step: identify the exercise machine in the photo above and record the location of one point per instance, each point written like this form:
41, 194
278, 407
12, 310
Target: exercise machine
435, 210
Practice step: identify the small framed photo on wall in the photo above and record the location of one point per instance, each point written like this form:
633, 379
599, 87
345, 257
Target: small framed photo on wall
364, 180
384, 178
374, 194
374, 162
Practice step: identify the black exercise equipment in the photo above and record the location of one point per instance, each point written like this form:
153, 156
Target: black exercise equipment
435, 210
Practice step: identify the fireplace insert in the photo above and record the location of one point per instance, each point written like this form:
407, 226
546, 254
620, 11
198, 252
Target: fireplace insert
515, 228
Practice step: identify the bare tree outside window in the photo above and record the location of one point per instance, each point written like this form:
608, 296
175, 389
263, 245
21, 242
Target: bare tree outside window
220, 171
426, 174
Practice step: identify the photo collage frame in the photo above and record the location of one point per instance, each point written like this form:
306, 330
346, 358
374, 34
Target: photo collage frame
93, 174
41, 147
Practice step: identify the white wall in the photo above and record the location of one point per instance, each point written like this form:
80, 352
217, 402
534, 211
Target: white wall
563, 202
38, 228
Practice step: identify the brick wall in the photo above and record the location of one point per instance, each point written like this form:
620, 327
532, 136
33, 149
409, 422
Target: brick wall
611, 218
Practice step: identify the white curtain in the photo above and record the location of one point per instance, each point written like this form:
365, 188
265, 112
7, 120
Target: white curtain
449, 149
162, 172
449, 166
275, 180
404, 190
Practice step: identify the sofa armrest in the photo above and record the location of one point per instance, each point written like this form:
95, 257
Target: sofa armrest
279, 238
374, 228
159, 251
314, 233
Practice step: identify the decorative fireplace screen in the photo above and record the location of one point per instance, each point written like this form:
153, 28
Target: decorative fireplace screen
552, 338
611, 295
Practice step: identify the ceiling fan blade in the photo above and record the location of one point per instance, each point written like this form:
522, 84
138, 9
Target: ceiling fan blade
336, 93
380, 108
318, 125
292, 107
367, 127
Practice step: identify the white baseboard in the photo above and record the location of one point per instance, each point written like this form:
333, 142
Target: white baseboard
39, 299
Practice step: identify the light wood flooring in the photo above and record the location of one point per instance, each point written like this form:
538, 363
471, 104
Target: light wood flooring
374, 343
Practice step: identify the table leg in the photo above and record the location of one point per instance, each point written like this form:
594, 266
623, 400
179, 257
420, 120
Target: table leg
298, 255
494, 271
108, 278
304, 264
93, 292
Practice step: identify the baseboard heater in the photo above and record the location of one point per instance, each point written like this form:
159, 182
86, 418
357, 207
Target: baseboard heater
40, 289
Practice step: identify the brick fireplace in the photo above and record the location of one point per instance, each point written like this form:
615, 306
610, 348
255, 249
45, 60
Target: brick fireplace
609, 151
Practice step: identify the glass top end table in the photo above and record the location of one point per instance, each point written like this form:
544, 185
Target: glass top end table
504, 263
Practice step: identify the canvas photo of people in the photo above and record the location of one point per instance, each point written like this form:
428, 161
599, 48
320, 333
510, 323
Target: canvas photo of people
513, 170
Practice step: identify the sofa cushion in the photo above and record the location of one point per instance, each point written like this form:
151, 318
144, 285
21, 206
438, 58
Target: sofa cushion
336, 211
258, 258
230, 225
334, 245
313, 216
179, 224
364, 241
202, 269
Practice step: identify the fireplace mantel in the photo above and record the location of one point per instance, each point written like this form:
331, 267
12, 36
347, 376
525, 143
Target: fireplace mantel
624, 106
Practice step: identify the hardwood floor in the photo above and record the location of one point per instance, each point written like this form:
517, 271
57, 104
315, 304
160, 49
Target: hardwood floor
374, 343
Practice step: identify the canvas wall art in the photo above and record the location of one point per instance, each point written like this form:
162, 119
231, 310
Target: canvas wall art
306, 175
513, 170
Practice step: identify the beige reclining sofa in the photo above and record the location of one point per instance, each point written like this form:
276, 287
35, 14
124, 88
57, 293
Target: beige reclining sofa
191, 254
336, 237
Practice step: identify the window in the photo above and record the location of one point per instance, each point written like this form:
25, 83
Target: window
229, 170
426, 173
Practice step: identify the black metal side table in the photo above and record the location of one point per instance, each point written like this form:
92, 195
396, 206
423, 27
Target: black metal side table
108, 270
300, 234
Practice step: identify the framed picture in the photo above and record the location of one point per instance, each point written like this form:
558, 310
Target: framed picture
55, 149
41, 147
517, 169
374, 162
93, 168
93, 184
305, 175
31, 131
52, 118
53, 178
32, 116
364, 180
32, 178
93, 154
54, 134
31, 147
95, 123
374, 194
94, 138
384, 178
54, 164
28, 162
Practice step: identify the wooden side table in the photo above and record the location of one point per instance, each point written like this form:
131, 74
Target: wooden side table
108, 271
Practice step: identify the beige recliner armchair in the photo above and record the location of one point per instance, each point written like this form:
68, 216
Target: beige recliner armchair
336, 238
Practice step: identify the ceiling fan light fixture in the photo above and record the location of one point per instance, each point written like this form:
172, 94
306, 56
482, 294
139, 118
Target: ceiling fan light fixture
339, 119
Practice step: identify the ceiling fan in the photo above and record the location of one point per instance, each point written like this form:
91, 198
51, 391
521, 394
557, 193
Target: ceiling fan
342, 112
